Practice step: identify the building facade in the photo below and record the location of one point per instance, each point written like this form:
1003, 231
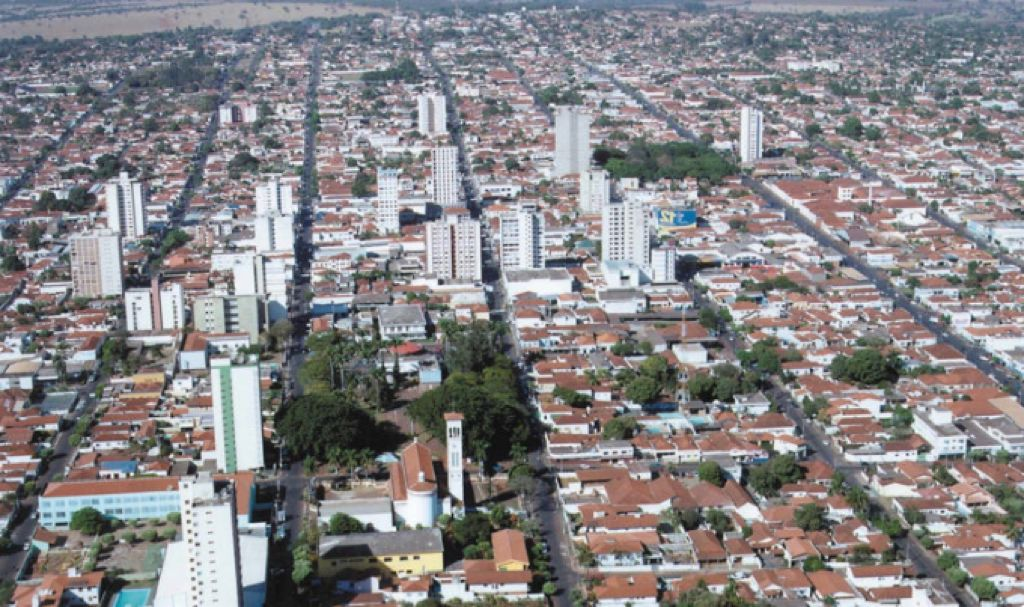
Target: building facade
445, 176
210, 532
751, 129
387, 201
96, 264
572, 141
625, 232
432, 114
126, 206
138, 309
595, 190
274, 197
237, 417
521, 240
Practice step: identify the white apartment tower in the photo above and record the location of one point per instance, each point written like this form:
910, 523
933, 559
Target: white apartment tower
172, 306
456, 480
454, 248
237, 421
751, 128
572, 140
209, 528
138, 309
445, 176
274, 197
432, 114
595, 190
387, 200
521, 239
126, 206
96, 264
663, 265
275, 233
625, 232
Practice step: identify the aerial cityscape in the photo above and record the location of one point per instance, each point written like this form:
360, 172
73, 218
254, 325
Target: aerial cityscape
568, 304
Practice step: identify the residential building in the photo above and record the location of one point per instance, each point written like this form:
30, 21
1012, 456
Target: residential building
572, 140
274, 197
96, 264
521, 240
445, 176
387, 201
595, 190
125, 499
210, 531
172, 306
237, 114
432, 114
400, 553
126, 206
454, 248
751, 129
228, 314
138, 310
935, 426
625, 232
237, 417
663, 265
275, 232
402, 321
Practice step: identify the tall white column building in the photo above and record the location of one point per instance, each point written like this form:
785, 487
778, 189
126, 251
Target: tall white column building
126, 206
521, 240
625, 232
432, 114
209, 528
138, 309
172, 306
595, 190
445, 176
454, 248
751, 129
572, 140
275, 233
237, 422
663, 265
96, 264
387, 201
456, 480
274, 197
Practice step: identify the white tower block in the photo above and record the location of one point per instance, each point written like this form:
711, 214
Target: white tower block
456, 482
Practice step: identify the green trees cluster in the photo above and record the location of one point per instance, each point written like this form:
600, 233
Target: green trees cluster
88, 520
711, 472
867, 366
470, 536
675, 160
362, 185
496, 420
342, 523
405, 70
620, 428
471, 347
78, 199
769, 477
571, 397
723, 383
186, 73
553, 95
315, 422
243, 162
810, 517
653, 377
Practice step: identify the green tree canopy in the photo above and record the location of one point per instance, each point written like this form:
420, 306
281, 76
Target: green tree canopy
88, 520
867, 366
711, 472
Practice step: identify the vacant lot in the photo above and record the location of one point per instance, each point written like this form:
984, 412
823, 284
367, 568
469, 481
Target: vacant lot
137, 20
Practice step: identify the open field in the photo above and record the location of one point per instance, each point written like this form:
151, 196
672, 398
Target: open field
138, 20
835, 7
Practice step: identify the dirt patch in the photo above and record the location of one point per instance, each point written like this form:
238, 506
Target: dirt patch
227, 15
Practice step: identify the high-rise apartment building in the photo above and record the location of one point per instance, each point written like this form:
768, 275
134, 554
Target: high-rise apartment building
387, 201
663, 265
275, 232
432, 114
96, 264
237, 422
172, 306
445, 176
138, 310
751, 128
228, 314
126, 206
274, 197
572, 140
521, 240
595, 190
209, 528
454, 248
625, 232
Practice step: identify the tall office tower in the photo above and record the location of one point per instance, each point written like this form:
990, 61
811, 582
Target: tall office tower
172, 306
751, 127
274, 197
445, 161
275, 233
595, 190
572, 140
126, 206
663, 265
96, 264
456, 480
209, 528
272, 274
432, 114
138, 310
625, 232
454, 248
387, 200
237, 423
521, 238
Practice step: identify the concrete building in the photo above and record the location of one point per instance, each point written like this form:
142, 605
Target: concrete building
387, 201
751, 128
172, 307
454, 248
274, 197
238, 114
125, 499
572, 140
210, 531
96, 264
138, 310
663, 265
625, 232
237, 419
398, 554
413, 487
228, 314
935, 425
275, 233
432, 114
456, 480
445, 176
402, 321
126, 206
521, 240
595, 190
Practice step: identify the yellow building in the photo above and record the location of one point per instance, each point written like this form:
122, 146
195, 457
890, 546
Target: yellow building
510, 550
398, 554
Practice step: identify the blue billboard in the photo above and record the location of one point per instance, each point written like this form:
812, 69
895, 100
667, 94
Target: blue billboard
667, 219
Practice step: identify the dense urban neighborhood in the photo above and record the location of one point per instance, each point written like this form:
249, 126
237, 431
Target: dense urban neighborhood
674, 305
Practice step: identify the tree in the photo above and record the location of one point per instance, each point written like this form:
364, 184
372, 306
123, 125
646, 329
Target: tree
571, 397
711, 472
958, 576
814, 563
549, 588
718, 521
942, 476
947, 560
149, 535
770, 476
810, 517
867, 366
279, 332
643, 390
708, 319
88, 520
128, 537
763, 357
342, 523
174, 518
913, 516
619, 428
812, 130
851, 128
312, 423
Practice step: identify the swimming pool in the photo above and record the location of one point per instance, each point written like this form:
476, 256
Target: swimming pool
132, 597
